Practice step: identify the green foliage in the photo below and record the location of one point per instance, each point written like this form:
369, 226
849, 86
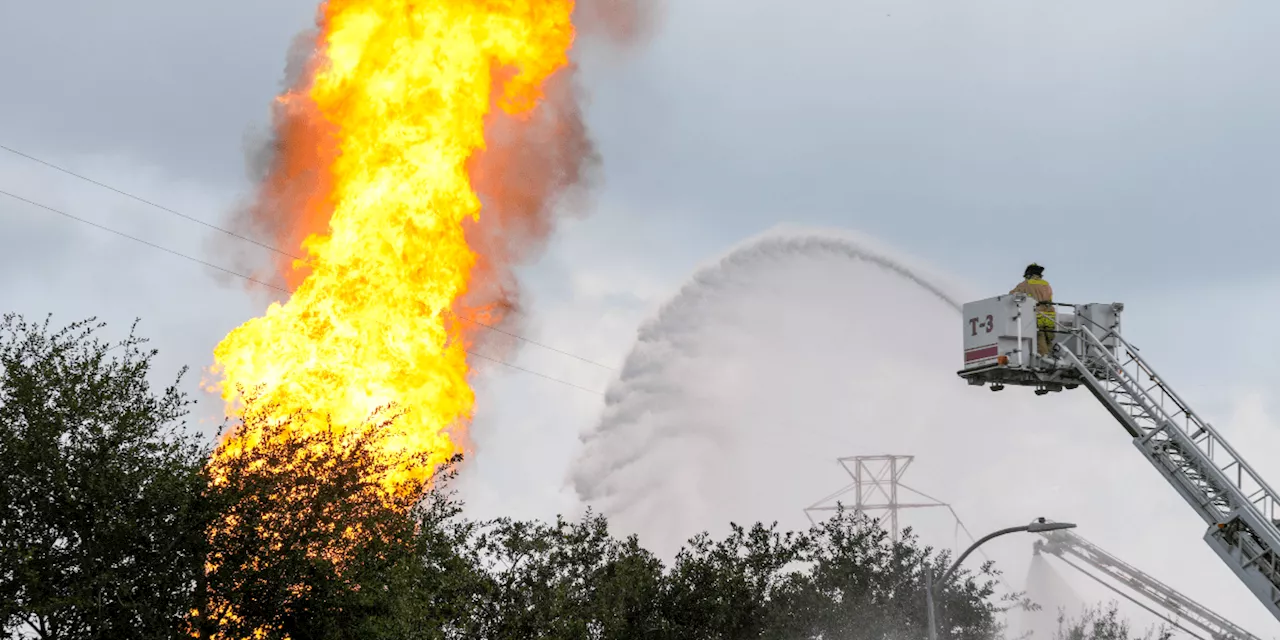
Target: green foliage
841, 579
435, 596
1099, 623
307, 542
567, 580
98, 485
864, 586
111, 514
743, 586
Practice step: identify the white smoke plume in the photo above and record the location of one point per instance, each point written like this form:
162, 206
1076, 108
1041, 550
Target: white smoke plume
796, 348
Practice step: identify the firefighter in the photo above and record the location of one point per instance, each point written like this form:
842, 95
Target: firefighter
1034, 285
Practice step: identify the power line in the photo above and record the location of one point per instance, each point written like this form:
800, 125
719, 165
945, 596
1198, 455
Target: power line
137, 239
536, 344
255, 280
264, 246
532, 372
144, 201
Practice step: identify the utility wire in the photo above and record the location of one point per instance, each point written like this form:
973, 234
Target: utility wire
250, 240
255, 280
143, 200
536, 344
137, 239
532, 372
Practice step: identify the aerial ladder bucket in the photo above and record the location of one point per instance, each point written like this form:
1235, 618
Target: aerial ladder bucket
1241, 510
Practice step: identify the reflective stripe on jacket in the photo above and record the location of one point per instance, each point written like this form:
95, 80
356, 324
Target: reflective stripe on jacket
1040, 291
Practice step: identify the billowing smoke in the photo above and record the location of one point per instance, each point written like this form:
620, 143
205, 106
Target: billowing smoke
618, 22
538, 168
797, 348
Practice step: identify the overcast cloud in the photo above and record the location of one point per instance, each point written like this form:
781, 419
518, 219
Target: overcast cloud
1130, 147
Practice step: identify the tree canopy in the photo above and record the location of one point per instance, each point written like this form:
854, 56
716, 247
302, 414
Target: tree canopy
99, 486
121, 523
1105, 623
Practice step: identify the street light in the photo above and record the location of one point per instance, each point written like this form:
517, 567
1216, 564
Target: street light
1039, 525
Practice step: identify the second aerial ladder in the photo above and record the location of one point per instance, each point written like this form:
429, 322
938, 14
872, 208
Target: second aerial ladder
1071, 549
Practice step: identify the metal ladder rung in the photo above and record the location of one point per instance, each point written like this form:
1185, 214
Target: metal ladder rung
1260, 497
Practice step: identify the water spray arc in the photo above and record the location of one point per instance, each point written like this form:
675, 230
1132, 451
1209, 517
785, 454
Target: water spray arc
637, 394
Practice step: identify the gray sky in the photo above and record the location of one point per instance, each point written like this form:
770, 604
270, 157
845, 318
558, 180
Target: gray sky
1130, 147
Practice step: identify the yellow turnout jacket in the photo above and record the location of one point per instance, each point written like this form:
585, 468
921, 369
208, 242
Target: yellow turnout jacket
1042, 293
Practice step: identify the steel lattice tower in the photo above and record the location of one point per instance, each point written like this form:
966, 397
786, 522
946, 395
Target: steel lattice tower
877, 488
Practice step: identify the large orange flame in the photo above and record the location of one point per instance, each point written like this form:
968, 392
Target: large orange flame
402, 89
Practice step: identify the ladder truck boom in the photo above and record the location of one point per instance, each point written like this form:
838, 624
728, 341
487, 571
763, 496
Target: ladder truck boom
1241, 510
1065, 543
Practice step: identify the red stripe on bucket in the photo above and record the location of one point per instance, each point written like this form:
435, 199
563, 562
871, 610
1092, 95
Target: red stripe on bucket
981, 353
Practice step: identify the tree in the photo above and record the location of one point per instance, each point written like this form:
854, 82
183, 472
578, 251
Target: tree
99, 487
119, 524
311, 541
841, 579
439, 592
1098, 623
744, 586
858, 584
564, 581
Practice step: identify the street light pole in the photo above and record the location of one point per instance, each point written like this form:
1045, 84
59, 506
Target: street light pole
1037, 526
928, 596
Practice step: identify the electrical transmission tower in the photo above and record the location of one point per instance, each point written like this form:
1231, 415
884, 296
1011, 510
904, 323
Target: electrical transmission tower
877, 489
